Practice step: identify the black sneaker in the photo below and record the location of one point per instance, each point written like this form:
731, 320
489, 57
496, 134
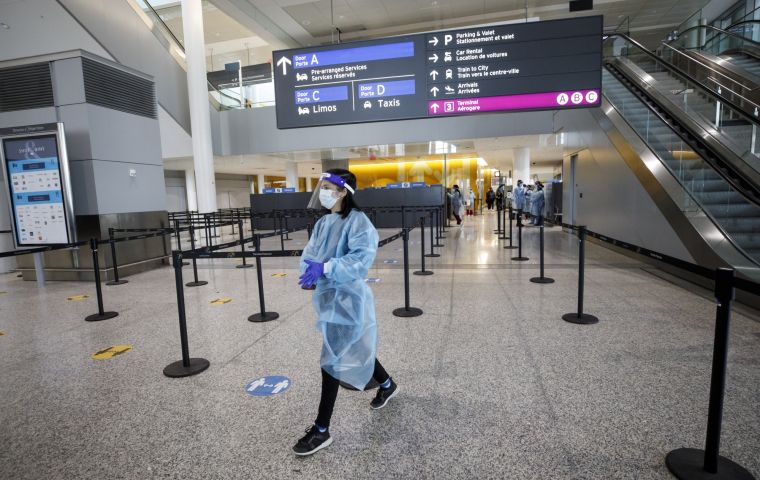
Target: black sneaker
312, 442
384, 395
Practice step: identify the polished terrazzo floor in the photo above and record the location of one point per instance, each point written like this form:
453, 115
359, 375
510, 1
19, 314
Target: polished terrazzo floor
494, 383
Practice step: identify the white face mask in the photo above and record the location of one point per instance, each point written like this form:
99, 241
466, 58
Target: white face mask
327, 199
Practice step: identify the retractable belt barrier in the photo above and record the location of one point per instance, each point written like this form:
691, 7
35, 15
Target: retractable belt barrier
692, 463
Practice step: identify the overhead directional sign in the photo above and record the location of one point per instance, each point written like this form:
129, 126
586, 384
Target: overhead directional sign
528, 66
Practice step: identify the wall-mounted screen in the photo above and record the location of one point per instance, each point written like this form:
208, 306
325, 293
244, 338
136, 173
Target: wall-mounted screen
36, 172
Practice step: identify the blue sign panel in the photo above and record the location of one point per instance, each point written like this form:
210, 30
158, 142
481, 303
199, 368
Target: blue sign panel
354, 55
417, 185
280, 190
317, 95
406, 185
268, 386
386, 89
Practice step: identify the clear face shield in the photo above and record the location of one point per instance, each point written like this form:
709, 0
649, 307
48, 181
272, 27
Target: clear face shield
329, 190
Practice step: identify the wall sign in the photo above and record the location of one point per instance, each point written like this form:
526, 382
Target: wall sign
554, 64
38, 184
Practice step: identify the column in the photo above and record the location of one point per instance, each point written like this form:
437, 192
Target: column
522, 165
253, 184
308, 183
192, 196
291, 175
200, 122
260, 179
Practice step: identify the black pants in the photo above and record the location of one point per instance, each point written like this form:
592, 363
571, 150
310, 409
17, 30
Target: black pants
330, 388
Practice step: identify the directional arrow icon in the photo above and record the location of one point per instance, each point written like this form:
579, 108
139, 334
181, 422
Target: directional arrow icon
434, 91
434, 58
434, 41
435, 107
284, 61
434, 74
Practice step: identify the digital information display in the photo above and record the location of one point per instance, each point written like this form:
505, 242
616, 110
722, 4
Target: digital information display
35, 179
547, 65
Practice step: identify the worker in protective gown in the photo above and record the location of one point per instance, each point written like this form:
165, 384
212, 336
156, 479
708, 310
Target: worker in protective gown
337, 258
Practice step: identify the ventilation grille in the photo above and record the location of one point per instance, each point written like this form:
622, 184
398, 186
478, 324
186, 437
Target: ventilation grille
112, 88
25, 87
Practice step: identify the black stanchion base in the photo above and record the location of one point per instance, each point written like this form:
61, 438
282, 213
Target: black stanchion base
287, 239
247, 265
542, 280
407, 312
422, 272
503, 238
184, 264
432, 255
440, 237
313, 287
263, 317
199, 283
584, 319
688, 464
179, 370
510, 247
114, 282
520, 259
96, 317
438, 245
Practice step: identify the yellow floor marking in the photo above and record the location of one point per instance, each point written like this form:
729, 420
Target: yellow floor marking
220, 301
111, 352
77, 298
279, 274
2, 333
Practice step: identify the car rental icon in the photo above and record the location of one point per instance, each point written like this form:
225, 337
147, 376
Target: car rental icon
303, 111
367, 104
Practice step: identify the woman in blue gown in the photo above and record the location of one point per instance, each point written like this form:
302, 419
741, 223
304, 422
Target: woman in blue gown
337, 258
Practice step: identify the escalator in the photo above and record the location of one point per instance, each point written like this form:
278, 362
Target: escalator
703, 150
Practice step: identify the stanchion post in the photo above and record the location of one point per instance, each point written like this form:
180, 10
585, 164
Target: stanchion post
406, 310
432, 253
503, 235
541, 278
242, 245
437, 243
187, 366
422, 246
692, 463
101, 315
195, 282
263, 315
177, 232
498, 220
511, 214
114, 261
519, 257
438, 215
287, 234
579, 317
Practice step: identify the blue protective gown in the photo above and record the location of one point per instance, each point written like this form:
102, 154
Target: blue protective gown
537, 205
520, 198
344, 302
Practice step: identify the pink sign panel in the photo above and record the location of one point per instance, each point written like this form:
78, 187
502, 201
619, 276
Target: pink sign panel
530, 101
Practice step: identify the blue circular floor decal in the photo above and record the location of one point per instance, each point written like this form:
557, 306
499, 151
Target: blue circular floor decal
268, 386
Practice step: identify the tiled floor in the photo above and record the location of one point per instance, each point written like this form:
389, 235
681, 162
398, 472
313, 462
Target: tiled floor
494, 383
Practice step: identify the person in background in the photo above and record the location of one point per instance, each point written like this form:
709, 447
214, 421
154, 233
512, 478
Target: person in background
456, 203
519, 197
470, 202
528, 202
337, 258
500, 197
538, 200
490, 198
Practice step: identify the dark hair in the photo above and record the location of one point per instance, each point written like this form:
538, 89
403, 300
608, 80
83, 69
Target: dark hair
348, 201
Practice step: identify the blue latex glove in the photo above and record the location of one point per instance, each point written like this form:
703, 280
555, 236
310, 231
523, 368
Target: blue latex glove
314, 271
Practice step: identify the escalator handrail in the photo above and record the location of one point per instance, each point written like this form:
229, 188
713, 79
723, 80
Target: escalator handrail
689, 78
712, 145
719, 31
670, 171
707, 67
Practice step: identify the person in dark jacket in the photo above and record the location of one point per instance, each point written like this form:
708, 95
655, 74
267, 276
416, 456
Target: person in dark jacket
490, 198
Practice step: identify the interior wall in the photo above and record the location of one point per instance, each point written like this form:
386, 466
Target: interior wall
232, 191
609, 199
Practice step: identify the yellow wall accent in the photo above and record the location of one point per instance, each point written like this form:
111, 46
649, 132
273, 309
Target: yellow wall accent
428, 169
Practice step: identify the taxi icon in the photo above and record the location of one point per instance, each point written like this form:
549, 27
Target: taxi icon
367, 104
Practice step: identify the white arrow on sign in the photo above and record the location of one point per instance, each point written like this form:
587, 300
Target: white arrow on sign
434, 91
434, 41
435, 107
434, 58
434, 74
284, 61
